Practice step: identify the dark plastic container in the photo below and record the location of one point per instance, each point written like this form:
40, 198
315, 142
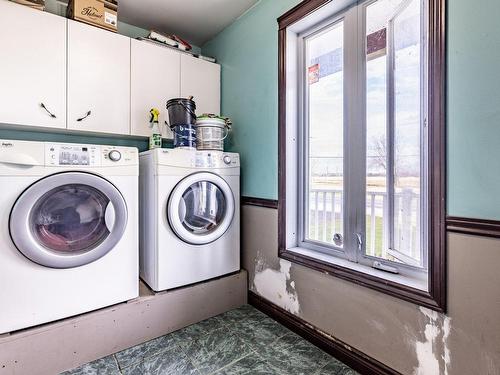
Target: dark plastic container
184, 136
181, 112
182, 118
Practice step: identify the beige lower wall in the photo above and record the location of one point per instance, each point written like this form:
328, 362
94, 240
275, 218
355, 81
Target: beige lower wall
404, 336
55, 347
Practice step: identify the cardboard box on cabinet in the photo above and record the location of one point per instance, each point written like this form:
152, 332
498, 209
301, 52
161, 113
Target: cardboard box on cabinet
36, 4
100, 13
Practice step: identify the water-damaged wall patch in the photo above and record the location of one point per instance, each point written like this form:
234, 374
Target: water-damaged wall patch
432, 352
276, 286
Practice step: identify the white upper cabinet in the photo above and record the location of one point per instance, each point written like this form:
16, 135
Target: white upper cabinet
98, 80
201, 79
62, 74
155, 78
32, 67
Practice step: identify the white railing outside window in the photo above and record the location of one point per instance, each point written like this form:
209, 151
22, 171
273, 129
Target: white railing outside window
325, 213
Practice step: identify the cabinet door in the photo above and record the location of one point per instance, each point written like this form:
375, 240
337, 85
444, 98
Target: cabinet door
32, 67
98, 80
201, 79
155, 78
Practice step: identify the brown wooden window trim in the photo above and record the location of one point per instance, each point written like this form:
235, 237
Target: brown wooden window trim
436, 297
473, 226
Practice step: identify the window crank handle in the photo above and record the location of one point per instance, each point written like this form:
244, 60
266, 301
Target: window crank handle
359, 239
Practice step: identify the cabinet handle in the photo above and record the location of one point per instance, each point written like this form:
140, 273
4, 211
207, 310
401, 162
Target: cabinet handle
84, 117
46, 110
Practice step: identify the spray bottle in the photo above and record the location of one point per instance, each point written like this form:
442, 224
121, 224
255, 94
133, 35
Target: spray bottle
155, 138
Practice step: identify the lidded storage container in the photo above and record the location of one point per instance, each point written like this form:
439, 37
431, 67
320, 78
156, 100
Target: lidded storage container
211, 130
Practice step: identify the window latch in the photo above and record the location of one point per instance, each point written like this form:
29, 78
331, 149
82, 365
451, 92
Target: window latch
384, 267
337, 239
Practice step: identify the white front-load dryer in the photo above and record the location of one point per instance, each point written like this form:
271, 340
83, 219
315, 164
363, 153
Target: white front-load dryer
189, 216
69, 230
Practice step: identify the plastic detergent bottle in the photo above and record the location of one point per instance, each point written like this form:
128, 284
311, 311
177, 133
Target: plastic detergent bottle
155, 137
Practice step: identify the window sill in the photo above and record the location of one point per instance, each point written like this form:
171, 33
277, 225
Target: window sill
364, 269
411, 290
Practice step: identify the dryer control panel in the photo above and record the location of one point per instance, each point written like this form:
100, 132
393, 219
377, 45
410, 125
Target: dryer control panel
207, 159
185, 158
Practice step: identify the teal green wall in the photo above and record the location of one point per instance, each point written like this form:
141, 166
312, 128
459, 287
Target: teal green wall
247, 51
131, 31
141, 143
474, 108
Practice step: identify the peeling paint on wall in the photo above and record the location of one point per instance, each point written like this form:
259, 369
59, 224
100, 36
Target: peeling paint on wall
490, 365
378, 326
446, 335
432, 352
276, 286
466, 342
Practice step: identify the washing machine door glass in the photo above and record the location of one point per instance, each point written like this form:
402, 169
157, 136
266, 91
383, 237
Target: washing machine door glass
201, 208
68, 219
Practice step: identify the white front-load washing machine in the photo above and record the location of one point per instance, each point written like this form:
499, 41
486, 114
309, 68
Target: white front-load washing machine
68, 230
189, 216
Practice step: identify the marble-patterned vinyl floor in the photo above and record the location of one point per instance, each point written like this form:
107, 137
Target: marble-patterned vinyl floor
241, 341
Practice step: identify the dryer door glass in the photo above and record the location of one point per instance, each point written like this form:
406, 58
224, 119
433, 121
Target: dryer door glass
70, 218
202, 207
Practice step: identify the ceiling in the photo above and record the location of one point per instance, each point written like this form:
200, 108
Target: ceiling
197, 21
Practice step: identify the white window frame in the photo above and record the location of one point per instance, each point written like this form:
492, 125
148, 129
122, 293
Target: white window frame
303, 135
354, 163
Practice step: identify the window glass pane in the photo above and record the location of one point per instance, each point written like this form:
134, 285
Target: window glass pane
394, 130
376, 130
407, 132
325, 146
70, 219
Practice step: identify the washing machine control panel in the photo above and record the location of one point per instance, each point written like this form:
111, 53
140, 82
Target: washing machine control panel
68, 154
114, 155
60, 154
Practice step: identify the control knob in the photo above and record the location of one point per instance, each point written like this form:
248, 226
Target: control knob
114, 155
227, 159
